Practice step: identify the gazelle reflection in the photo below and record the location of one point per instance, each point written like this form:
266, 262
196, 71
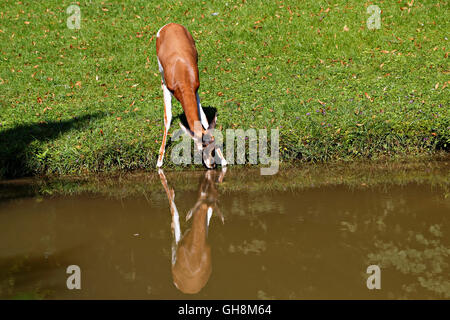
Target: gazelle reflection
191, 253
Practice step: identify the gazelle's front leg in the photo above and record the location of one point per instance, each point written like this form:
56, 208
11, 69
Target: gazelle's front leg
205, 125
167, 120
201, 113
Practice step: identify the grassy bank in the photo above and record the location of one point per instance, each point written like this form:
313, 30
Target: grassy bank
291, 178
89, 100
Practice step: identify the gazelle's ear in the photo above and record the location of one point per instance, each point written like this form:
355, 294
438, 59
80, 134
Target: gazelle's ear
212, 125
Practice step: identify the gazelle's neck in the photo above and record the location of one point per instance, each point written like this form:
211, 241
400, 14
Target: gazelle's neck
188, 100
195, 240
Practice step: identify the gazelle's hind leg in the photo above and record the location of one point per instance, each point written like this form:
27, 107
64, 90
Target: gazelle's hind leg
167, 120
176, 230
203, 118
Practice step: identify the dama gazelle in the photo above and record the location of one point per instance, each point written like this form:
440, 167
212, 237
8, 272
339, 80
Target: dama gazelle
191, 253
177, 61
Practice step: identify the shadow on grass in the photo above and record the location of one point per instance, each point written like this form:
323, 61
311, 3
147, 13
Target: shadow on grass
18, 157
209, 112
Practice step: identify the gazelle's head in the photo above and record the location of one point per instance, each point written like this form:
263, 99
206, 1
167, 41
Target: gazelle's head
204, 141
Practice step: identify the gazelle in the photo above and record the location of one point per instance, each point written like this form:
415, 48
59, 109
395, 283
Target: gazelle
191, 253
177, 61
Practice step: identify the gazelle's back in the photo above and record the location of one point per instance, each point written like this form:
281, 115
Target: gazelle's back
177, 54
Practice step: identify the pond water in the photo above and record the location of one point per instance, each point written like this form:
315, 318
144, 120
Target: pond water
305, 233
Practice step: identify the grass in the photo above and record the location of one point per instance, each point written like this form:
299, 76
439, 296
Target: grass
89, 100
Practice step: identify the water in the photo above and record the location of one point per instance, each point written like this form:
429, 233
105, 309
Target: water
306, 233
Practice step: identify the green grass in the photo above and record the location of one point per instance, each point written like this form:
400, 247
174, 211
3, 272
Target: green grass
89, 100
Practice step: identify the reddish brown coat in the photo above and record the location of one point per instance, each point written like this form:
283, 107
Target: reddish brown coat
177, 54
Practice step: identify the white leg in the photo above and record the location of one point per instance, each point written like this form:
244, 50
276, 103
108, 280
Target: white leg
175, 222
167, 120
203, 118
176, 230
161, 70
209, 212
224, 162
